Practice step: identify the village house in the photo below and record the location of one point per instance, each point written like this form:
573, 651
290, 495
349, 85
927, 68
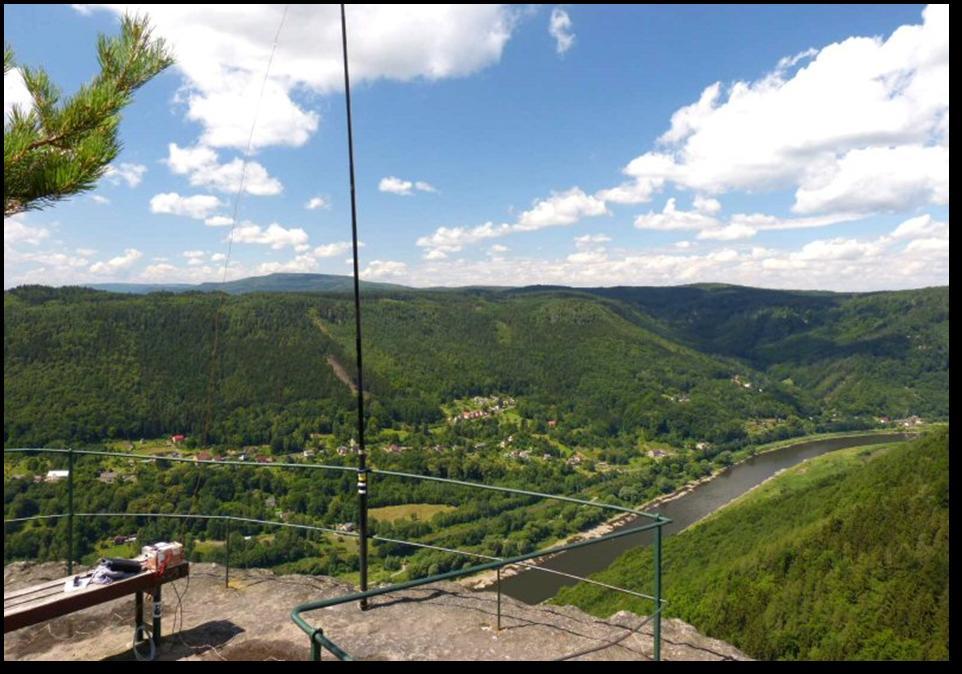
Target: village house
54, 475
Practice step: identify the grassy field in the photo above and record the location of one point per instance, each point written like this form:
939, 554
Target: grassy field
420, 511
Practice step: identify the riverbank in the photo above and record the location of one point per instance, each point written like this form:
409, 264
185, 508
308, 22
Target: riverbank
488, 579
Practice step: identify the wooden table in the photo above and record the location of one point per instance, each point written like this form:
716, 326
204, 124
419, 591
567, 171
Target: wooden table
32, 605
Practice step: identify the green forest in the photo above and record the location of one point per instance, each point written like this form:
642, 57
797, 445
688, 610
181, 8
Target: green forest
723, 365
842, 557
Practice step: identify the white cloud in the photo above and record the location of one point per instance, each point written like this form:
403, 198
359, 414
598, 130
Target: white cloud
219, 221
198, 206
739, 226
15, 93
670, 218
559, 26
204, 170
498, 249
453, 239
395, 186
218, 257
132, 174
561, 208
878, 179
404, 188
317, 202
921, 226
15, 231
222, 55
125, 261
706, 205
99, 199
384, 269
589, 240
274, 235
333, 249
857, 126
918, 257
728, 232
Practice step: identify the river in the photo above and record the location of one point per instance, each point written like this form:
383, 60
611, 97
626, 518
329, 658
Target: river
534, 586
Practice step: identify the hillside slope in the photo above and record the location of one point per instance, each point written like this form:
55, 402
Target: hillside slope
81, 365
841, 557
859, 353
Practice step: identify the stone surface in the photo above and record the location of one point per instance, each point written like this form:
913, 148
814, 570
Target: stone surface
250, 620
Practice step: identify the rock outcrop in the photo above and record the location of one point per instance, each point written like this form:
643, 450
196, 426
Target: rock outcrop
250, 620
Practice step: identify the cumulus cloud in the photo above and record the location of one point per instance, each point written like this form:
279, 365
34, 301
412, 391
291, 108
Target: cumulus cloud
404, 188
15, 231
670, 218
918, 256
198, 206
738, 226
125, 172
379, 269
560, 28
317, 202
203, 169
878, 179
99, 199
333, 249
559, 209
860, 126
219, 221
115, 264
222, 54
395, 186
274, 235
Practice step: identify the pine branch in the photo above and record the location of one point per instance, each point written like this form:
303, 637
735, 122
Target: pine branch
58, 149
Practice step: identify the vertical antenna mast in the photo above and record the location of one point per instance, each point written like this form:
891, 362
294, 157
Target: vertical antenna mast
362, 468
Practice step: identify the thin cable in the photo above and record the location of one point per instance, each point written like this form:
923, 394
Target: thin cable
233, 225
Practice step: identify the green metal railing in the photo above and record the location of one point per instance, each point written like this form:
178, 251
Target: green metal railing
318, 640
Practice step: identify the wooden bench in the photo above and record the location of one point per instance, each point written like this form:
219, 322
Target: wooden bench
48, 600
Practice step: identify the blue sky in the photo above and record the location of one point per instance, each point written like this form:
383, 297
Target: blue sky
793, 147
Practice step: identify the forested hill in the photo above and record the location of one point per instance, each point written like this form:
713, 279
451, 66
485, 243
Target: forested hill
857, 352
843, 557
82, 365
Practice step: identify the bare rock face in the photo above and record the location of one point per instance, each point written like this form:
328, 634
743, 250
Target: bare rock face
250, 620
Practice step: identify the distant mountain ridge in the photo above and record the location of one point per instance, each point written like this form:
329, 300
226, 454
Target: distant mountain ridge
273, 283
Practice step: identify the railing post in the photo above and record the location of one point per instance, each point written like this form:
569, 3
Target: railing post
499, 598
657, 627
227, 564
70, 464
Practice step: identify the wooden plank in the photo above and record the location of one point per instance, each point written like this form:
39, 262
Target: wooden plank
49, 607
27, 590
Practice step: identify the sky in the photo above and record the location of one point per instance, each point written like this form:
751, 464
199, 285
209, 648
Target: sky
802, 147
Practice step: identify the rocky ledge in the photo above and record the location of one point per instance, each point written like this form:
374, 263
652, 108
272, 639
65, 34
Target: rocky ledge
250, 620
